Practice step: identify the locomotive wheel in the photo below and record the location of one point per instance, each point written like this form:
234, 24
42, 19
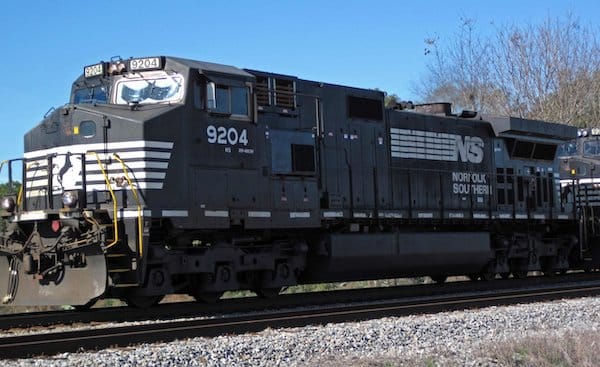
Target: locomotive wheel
486, 276
439, 279
143, 301
549, 272
268, 293
208, 297
520, 274
548, 269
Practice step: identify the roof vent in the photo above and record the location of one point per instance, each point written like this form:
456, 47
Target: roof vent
438, 108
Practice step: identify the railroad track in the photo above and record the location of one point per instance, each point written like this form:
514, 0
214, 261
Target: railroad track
168, 330
192, 309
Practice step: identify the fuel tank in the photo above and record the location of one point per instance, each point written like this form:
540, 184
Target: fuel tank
341, 257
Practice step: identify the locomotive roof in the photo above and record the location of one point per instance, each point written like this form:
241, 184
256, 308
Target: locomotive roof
210, 68
515, 126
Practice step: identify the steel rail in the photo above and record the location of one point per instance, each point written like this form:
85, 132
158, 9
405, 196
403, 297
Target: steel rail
24, 346
248, 304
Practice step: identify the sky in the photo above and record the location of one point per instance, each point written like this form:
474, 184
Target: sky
45, 44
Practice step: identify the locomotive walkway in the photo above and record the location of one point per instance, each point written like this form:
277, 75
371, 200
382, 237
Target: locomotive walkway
376, 303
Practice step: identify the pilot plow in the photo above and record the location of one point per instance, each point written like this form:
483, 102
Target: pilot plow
52, 262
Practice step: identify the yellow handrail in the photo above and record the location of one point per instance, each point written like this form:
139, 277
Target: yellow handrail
114, 200
20, 197
137, 199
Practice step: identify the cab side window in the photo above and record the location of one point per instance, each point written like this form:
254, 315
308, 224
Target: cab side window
228, 100
222, 99
239, 100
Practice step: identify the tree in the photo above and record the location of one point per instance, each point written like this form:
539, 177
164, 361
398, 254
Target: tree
6, 189
549, 71
391, 100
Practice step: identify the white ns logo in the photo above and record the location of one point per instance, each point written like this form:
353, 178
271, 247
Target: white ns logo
469, 150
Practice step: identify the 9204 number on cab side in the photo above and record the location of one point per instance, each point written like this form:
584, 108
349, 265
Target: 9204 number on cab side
226, 136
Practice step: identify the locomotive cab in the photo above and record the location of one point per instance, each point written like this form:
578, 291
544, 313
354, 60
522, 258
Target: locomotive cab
118, 183
89, 169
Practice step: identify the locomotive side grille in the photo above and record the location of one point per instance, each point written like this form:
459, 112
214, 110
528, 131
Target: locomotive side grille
262, 91
284, 93
365, 108
275, 92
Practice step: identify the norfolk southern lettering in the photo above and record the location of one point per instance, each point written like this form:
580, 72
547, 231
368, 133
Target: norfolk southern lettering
470, 183
418, 144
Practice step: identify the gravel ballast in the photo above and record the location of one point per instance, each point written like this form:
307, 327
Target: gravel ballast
457, 337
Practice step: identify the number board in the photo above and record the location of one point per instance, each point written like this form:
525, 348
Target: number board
145, 63
93, 70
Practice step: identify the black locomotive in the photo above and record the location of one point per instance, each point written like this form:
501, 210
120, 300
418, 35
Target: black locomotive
165, 175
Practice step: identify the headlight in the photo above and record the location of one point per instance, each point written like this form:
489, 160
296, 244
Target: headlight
8, 204
69, 199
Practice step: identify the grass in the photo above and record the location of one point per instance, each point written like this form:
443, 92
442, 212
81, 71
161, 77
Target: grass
568, 349
573, 348
323, 287
4, 310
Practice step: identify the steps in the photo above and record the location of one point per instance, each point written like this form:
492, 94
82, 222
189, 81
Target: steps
122, 267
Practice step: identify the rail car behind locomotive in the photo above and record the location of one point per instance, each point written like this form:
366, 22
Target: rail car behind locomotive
579, 163
165, 175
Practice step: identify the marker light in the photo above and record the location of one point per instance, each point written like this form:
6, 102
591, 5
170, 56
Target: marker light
55, 226
8, 204
69, 199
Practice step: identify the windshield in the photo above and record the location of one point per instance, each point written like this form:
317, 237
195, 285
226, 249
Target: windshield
96, 94
591, 147
567, 149
152, 87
